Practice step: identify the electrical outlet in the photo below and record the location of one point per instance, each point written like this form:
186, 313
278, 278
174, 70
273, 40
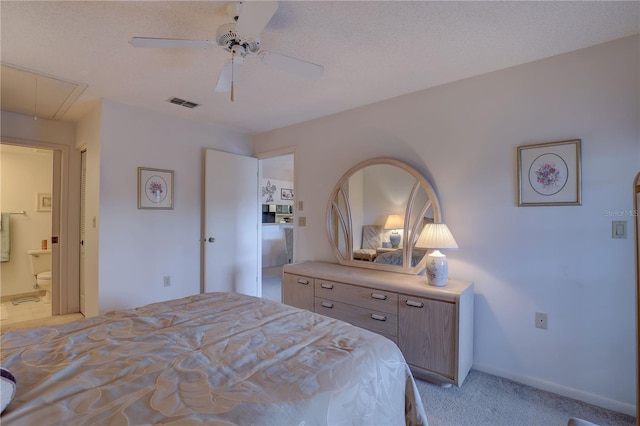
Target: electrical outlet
167, 280
302, 221
541, 320
300, 205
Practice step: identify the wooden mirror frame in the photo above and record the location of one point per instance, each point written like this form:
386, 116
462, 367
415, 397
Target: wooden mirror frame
340, 223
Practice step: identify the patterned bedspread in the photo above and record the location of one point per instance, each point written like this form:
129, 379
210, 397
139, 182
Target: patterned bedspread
397, 257
216, 358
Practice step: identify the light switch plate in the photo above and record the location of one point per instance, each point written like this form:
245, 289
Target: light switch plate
619, 229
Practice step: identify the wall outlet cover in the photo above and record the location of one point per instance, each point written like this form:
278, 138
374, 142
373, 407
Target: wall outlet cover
541, 320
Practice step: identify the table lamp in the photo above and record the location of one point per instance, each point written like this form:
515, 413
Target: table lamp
394, 222
436, 236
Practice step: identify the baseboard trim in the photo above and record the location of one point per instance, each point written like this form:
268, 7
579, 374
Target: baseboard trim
589, 398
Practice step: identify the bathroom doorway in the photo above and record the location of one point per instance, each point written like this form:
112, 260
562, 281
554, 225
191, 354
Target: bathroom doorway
277, 193
26, 199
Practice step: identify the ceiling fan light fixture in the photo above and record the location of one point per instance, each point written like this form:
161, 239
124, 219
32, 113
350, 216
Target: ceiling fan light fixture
233, 9
238, 50
227, 37
241, 38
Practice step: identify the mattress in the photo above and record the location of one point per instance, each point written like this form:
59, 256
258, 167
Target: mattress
214, 358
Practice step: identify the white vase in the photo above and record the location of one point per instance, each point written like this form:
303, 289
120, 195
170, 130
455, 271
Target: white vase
395, 240
437, 268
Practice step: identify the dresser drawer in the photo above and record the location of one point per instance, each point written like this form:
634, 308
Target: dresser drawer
379, 300
370, 319
297, 290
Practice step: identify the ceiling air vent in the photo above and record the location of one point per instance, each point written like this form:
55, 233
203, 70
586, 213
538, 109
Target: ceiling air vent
183, 103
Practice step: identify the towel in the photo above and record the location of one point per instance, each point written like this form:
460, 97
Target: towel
5, 238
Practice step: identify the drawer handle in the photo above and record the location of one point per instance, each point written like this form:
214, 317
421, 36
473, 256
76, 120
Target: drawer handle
301, 281
326, 305
379, 296
327, 286
415, 304
378, 317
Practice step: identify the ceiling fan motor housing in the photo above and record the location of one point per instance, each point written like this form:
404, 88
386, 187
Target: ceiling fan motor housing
228, 38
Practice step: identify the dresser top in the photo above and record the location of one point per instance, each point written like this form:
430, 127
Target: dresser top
415, 285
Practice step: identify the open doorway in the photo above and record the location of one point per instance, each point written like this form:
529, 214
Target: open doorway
277, 192
25, 233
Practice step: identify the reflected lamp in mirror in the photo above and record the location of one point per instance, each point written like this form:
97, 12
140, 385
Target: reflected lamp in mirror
436, 236
394, 222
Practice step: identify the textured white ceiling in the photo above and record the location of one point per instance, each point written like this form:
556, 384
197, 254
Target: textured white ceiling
371, 50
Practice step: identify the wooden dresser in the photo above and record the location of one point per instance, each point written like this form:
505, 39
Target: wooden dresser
432, 326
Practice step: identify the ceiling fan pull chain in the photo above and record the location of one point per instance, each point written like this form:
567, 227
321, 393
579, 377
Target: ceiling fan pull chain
232, 66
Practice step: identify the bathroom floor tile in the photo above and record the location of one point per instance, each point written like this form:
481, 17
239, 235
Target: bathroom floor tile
10, 313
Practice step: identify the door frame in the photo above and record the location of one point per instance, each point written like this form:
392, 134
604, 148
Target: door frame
65, 254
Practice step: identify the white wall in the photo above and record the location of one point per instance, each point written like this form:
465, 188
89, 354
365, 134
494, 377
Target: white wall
23, 174
24, 127
559, 260
137, 248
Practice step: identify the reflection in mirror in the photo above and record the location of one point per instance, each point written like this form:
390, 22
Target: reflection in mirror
374, 204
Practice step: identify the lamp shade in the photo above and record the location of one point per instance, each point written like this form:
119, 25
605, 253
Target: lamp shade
394, 221
436, 236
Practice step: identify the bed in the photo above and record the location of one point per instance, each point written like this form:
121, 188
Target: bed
396, 257
213, 358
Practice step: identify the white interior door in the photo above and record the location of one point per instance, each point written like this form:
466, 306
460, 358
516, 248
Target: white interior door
83, 197
231, 223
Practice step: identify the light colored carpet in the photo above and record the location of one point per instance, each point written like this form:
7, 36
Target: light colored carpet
484, 399
272, 283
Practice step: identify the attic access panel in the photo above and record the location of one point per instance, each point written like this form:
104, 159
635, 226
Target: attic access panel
30, 92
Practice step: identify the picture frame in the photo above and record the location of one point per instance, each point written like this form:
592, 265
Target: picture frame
44, 202
549, 174
286, 194
155, 188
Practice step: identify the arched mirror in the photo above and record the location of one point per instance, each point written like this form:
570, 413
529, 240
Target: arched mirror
376, 213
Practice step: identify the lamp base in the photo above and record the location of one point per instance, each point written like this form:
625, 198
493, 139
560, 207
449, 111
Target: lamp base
395, 240
437, 269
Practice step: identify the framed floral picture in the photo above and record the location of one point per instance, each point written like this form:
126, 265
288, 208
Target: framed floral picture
43, 202
549, 174
286, 194
155, 189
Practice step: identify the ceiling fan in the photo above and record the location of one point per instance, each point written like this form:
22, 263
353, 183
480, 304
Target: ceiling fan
241, 38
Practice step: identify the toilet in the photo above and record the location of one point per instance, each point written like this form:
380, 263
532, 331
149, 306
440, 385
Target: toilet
40, 264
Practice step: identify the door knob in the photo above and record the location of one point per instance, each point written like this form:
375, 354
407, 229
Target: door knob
212, 240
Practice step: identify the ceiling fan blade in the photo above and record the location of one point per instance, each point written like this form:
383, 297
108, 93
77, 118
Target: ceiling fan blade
254, 16
294, 66
169, 43
226, 75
